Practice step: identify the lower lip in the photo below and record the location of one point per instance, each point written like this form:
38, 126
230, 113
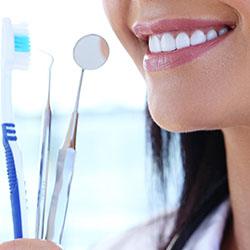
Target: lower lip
153, 62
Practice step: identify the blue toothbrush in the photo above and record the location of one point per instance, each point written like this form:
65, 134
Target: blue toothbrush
15, 55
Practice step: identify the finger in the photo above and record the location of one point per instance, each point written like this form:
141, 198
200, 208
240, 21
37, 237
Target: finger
29, 244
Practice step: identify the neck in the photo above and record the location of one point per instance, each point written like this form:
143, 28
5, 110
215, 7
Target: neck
237, 143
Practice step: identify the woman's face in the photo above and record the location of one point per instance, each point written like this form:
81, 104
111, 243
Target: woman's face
195, 80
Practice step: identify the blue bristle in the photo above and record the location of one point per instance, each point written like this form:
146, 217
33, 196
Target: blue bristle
22, 43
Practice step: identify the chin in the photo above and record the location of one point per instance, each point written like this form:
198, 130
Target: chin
174, 118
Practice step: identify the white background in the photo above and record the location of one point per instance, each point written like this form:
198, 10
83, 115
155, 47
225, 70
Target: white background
55, 26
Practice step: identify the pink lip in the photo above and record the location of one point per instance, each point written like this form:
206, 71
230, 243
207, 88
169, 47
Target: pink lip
144, 29
165, 60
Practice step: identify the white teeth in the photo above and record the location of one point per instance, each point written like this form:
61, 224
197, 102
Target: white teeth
154, 44
168, 42
198, 37
223, 31
211, 34
182, 40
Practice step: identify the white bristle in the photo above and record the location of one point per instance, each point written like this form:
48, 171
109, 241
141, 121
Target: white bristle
21, 31
22, 61
23, 26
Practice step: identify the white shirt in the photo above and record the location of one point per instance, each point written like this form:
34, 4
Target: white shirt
208, 236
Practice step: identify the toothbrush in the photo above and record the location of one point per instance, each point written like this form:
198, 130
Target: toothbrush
44, 162
15, 55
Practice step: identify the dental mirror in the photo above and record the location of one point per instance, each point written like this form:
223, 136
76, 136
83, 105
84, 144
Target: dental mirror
90, 52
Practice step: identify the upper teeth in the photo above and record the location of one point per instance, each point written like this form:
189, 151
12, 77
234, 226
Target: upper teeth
167, 42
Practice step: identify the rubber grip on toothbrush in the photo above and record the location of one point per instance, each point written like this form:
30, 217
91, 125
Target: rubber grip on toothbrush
9, 132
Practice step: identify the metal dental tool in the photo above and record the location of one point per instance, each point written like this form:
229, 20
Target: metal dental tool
90, 53
44, 162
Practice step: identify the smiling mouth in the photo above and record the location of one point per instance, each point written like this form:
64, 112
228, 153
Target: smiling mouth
171, 43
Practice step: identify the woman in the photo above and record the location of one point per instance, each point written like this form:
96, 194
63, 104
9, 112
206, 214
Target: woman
195, 59
197, 85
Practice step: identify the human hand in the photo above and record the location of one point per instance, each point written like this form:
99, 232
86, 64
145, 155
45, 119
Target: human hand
29, 244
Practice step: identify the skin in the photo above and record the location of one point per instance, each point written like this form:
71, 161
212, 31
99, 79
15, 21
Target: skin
27, 244
210, 92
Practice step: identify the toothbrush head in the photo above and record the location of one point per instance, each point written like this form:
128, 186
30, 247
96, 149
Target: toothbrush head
15, 45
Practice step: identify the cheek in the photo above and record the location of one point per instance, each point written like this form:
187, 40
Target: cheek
119, 17
117, 13
211, 92
111, 7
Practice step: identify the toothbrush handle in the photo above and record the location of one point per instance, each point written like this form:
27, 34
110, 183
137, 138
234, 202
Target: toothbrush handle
60, 197
17, 189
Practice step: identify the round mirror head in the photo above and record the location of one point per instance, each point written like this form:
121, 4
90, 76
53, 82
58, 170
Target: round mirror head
91, 52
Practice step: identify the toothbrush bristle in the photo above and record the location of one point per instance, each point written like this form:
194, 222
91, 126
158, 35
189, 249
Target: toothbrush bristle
21, 46
22, 43
9, 131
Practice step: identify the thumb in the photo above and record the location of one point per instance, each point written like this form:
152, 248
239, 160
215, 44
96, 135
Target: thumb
29, 244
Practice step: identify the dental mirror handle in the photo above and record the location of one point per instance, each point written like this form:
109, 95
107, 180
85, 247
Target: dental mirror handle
65, 169
64, 173
60, 198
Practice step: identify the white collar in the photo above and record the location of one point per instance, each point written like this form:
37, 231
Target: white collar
209, 234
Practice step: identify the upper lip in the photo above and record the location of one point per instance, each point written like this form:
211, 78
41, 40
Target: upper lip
147, 28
